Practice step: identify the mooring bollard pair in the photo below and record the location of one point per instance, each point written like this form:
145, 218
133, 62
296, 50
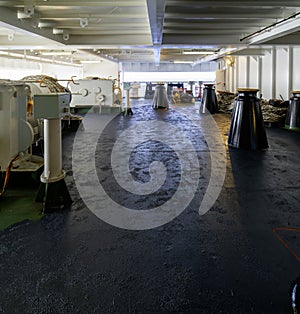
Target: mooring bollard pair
247, 126
247, 130
209, 100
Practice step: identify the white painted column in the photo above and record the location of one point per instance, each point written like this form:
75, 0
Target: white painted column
290, 70
259, 74
52, 151
273, 73
232, 77
237, 62
247, 71
128, 98
227, 85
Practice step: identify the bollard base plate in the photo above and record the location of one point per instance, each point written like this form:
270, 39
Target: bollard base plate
54, 196
127, 112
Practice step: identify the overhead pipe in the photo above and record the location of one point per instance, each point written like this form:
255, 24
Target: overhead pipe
270, 26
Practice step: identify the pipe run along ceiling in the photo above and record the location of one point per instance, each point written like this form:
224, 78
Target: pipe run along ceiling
153, 31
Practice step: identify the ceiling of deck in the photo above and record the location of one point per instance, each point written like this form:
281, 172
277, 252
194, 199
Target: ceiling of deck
152, 31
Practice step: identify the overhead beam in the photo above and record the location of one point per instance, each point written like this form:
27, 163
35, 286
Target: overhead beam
291, 39
243, 14
287, 28
104, 26
206, 31
25, 42
61, 14
216, 23
156, 12
124, 3
250, 52
9, 17
128, 40
218, 55
220, 3
216, 27
82, 32
171, 39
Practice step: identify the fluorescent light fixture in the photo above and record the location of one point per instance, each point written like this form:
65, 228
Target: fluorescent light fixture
57, 31
90, 61
190, 52
23, 15
56, 53
10, 54
46, 23
179, 61
34, 58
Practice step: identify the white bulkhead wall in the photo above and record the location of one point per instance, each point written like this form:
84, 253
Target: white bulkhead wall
266, 75
17, 69
104, 69
296, 67
60, 71
253, 70
242, 71
274, 74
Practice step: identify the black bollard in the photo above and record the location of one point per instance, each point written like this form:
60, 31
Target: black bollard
292, 120
209, 99
160, 99
295, 296
247, 129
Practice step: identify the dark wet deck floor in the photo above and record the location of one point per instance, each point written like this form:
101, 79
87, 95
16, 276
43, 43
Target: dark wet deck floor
226, 261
